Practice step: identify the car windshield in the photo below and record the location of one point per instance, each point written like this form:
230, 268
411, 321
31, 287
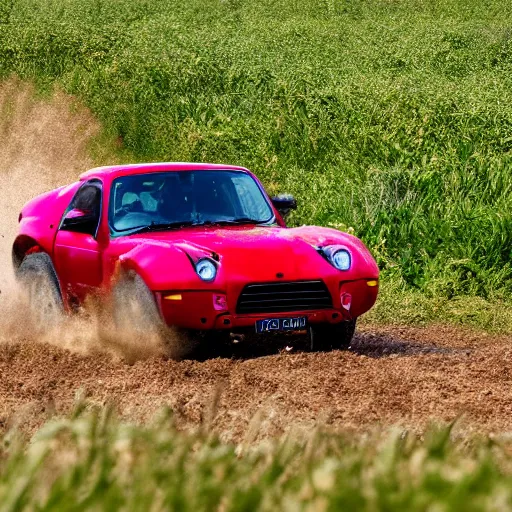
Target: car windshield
160, 201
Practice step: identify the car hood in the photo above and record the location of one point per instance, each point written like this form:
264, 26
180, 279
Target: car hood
260, 253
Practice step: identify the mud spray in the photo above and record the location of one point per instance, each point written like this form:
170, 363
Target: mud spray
43, 144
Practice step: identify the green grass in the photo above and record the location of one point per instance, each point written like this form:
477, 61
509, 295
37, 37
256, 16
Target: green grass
393, 118
399, 304
94, 462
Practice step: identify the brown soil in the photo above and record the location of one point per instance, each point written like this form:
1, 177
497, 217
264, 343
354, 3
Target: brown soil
408, 376
390, 375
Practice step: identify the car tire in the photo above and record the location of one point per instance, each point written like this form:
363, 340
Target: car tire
136, 315
325, 337
134, 305
38, 278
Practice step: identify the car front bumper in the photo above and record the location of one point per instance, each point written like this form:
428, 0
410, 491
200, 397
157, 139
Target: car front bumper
196, 309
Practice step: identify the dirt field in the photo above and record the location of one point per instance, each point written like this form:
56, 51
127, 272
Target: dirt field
408, 376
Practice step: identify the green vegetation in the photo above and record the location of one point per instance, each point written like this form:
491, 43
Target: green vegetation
93, 462
393, 118
401, 305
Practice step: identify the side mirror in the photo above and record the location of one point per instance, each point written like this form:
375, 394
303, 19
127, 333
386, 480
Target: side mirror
284, 203
80, 221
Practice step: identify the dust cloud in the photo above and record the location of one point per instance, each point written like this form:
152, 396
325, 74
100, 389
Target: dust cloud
44, 144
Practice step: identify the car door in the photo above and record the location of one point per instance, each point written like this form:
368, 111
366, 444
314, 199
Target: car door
77, 251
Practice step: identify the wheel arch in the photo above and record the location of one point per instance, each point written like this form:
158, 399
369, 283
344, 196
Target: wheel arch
159, 265
130, 266
23, 246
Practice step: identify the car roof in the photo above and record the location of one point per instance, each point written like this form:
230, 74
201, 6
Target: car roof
128, 169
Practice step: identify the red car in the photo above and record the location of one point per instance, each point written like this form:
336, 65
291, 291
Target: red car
203, 248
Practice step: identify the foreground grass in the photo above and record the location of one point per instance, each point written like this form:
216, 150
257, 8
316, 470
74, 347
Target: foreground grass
392, 118
93, 462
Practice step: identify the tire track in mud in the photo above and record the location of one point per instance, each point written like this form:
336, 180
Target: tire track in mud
390, 375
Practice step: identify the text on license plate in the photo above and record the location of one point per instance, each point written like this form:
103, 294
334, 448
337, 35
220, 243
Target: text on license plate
282, 324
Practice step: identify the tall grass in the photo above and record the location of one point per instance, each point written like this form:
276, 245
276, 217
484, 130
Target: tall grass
393, 118
93, 462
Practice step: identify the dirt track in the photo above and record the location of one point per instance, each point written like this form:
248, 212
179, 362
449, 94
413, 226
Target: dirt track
407, 376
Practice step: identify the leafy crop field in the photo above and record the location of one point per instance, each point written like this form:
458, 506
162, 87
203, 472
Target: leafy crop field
389, 118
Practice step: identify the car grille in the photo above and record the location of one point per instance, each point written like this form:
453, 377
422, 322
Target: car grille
283, 297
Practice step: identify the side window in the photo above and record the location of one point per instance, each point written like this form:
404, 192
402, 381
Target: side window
84, 212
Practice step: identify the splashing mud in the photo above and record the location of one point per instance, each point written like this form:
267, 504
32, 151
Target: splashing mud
43, 144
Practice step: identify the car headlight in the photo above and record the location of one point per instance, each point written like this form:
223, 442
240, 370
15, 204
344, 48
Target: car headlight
338, 257
206, 269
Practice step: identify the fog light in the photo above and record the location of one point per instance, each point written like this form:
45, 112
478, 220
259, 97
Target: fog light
220, 302
174, 296
346, 300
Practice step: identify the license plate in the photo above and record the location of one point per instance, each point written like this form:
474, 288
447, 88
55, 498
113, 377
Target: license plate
282, 324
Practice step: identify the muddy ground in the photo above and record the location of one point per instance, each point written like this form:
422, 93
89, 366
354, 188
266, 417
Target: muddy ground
408, 376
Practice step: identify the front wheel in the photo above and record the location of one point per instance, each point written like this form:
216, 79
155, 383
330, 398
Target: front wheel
37, 277
325, 337
139, 325
135, 308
